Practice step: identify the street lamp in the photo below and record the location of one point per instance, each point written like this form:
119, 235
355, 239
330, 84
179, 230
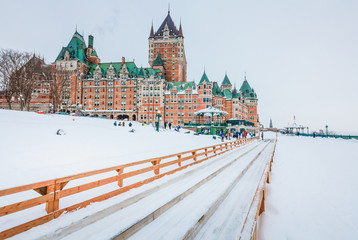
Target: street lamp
327, 130
158, 116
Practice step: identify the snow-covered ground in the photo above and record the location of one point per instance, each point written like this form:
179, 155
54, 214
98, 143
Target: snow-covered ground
32, 152
313, 191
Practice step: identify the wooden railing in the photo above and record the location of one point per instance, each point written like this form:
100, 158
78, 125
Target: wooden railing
249, 229
52, 191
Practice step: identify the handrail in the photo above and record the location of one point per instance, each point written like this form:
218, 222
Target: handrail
257, 206
53, 190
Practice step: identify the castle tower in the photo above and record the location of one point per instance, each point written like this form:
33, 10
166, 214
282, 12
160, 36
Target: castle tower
250, 98
168, 41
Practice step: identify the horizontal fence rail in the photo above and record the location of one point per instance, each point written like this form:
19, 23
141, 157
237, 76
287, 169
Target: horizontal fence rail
52, 191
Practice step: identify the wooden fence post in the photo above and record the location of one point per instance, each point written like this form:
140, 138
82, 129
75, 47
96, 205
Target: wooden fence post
194, 155
156, 168
120, 180
179, 162
214, 150
53, 204
206, 152
262, 207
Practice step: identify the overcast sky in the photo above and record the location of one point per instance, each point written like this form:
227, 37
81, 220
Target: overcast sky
300, 56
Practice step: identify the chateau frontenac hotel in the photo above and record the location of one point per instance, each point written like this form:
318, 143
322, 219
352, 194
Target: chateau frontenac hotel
122, 90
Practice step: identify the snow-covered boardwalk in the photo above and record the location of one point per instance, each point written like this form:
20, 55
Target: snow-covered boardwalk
209, 200
210, 197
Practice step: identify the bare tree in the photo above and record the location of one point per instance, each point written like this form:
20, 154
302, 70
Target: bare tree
11, 62
58, 80
29, 75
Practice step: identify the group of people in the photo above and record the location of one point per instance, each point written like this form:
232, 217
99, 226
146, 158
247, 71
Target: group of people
236, 135
121, 124
167, 124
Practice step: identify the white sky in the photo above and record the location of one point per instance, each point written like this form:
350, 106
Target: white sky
301, 56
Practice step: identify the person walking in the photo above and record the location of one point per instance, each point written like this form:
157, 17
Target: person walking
262, 135
245, 133
115, 123
170, 125
165, 125
222, 136
130, 124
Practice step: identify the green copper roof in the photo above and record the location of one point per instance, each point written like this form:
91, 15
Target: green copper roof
158, 61
227, 94
180, 86
203, 79
235, 93
94, 53
76, 48
216, 89
131, 67
247, 91
141, 72
226, 81
117, 66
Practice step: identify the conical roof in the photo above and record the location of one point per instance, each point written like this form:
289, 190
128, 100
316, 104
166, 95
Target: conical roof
226, 81
158, 61
180, 31
173, 31
141, 72
151, 32
204, 79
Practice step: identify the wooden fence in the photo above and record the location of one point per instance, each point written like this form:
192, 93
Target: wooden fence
52, 191
249, 230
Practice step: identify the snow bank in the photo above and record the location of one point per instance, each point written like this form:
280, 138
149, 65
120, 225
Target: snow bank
313, 190
31, 151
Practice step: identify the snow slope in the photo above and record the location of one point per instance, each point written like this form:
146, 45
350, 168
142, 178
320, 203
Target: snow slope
31, 151
313, 191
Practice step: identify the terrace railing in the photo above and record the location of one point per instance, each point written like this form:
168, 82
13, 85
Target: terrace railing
52, 191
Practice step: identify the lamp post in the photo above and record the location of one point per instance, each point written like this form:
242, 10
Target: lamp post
158, 116
327, 130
